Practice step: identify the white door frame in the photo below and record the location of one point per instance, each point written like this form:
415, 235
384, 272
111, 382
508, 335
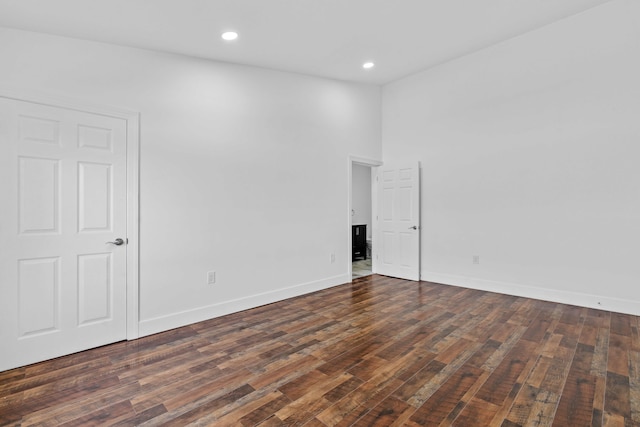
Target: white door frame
132, 119
363, 161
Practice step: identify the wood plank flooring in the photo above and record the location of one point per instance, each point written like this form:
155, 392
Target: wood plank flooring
375, 352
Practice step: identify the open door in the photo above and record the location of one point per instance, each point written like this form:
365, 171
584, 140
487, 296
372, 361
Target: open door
399, 221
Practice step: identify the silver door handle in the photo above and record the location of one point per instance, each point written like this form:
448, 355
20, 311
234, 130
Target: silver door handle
413, 228
117, 242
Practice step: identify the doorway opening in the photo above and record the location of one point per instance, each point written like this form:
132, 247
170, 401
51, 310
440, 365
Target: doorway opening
362, 217
361, 221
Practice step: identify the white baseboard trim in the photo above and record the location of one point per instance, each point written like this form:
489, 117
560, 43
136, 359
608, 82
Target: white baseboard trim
176, 320
565, 297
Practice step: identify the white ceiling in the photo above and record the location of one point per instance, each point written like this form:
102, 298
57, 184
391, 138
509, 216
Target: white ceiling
328, 38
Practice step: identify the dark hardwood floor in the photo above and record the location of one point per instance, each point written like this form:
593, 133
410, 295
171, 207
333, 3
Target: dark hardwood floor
375, 352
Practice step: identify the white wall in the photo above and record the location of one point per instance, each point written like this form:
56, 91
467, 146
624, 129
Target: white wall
530, 152
243, 170
361, 196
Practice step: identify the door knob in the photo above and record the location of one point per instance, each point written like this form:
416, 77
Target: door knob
117, 242
413, 228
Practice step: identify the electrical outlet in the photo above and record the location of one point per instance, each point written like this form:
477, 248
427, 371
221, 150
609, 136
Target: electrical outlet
476, 259
332, 257
211, 278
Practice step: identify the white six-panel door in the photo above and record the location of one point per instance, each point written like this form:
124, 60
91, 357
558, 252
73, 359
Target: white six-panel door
399, 221
63, 188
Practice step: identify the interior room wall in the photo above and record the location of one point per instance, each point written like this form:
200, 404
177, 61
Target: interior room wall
242, 170
529, 152
361, 196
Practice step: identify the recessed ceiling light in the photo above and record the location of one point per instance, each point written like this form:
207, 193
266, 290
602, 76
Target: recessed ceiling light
229, 35
368, 65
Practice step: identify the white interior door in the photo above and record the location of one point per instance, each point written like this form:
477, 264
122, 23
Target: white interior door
63, 190
399, 221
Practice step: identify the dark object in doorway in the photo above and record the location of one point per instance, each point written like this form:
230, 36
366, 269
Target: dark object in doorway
358, 242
